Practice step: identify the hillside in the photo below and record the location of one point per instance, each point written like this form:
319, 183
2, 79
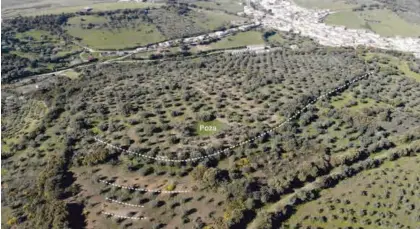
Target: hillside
232, 125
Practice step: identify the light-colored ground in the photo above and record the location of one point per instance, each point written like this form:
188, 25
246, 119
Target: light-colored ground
97, 201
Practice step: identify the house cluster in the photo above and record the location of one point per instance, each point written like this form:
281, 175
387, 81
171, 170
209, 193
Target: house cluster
256, 49
114, 53
249, 49
285, 15
186, 41
218, 34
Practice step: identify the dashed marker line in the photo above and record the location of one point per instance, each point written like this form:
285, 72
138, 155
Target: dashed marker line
160, 158
123, 203
143, 189
123, 217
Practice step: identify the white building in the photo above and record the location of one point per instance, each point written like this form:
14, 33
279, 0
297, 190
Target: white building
255, 47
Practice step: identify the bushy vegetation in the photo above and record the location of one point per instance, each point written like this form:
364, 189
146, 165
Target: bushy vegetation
39, 44
34, 45
153, 108
384, 197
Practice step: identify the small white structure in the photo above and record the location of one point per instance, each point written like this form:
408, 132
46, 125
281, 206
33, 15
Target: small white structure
255, 47
86, 9
294, 47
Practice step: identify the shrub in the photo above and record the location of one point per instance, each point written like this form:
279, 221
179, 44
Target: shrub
170, 187
99, 156
12, 221
206, 117
147, 170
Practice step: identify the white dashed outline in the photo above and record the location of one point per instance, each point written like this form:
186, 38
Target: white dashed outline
123, 203
142, 189
161, 158
123, 217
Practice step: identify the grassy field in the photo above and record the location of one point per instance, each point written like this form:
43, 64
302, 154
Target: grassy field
345, 100
405, 68
276, 38
215, 123
383, 22
224, 5
400, 64
36, 35
325, 4
122, 39
214, 20
240, 39
371, 199
71, 74
99, 32
96, 7
101, 38
41, 38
